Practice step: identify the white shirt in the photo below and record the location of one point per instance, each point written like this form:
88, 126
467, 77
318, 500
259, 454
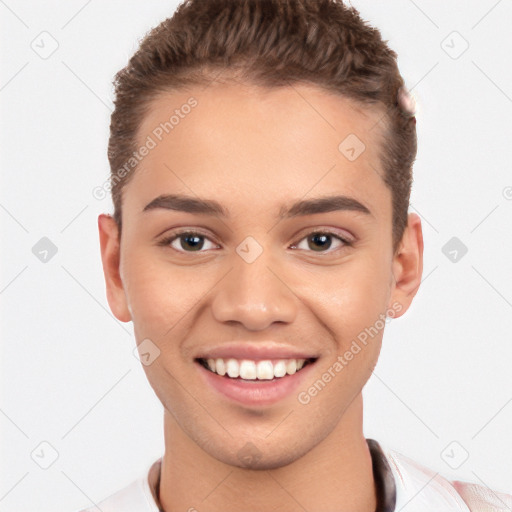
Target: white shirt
415, 487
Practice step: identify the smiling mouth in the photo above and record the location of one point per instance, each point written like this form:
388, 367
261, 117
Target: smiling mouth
252, 370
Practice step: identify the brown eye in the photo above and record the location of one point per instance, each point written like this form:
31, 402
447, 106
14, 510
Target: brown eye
187, 241
195, 242
322, 241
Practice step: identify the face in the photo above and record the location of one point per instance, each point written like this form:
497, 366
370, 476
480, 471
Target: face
254, 276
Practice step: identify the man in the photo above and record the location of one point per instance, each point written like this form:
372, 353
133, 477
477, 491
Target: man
261, 155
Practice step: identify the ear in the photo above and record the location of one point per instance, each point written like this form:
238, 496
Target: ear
110, 257
407, 265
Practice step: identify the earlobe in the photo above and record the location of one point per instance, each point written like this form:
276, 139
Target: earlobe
408, 265
110, 257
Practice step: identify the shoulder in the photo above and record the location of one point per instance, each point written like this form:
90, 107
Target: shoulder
137, 496
481, 498
429, 490
127, 499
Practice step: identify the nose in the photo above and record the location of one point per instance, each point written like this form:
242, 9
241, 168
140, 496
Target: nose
255, 295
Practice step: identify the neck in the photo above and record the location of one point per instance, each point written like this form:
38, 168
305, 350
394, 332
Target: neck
334, 475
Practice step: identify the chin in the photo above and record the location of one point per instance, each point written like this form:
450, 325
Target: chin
253, 458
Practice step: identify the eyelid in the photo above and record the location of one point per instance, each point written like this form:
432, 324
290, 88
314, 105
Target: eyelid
347, 241
344, 235
175, 234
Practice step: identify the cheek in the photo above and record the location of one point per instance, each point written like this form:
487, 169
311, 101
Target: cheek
159, 293
350, 297
349, 304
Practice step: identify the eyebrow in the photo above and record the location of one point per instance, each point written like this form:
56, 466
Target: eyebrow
303, 207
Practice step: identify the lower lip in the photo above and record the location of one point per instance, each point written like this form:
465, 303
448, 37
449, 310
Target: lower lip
256, 392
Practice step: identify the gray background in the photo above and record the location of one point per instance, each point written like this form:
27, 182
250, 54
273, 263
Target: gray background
442, 388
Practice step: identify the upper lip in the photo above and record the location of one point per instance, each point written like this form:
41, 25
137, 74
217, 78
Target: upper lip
255, 351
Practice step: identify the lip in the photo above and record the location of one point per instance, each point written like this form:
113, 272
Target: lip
254, 351
255, 392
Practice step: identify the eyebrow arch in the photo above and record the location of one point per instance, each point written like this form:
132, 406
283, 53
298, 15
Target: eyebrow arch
187, 204
190, 204
323, 205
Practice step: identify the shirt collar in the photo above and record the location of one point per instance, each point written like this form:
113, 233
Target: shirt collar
384, 480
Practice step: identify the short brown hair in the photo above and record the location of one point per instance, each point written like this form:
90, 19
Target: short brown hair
270, 43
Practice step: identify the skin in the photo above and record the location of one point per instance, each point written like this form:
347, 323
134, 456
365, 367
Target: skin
254, 151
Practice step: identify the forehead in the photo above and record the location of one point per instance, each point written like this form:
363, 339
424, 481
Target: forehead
250, 144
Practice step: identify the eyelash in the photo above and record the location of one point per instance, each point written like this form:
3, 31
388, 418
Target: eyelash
176, 235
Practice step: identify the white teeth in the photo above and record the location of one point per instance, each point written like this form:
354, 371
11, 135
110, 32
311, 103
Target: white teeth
220, 367
251, 370
233, 368
265, 370
280, 369
291, 366
247, 370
